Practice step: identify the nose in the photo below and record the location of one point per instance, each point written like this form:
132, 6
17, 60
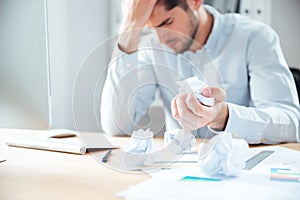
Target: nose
163, 34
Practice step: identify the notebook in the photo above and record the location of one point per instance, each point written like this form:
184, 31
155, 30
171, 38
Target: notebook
75, 145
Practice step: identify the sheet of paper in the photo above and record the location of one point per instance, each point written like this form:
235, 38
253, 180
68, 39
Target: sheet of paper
253, 184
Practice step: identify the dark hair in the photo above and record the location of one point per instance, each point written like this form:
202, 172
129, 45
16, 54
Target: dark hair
170, 4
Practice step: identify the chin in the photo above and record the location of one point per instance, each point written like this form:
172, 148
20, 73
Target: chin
179, 51
183, 48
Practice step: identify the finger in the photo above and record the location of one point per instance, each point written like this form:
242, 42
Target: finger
174, 108
187, 125
214, 92
152, 3
183, 110
181, 106
207, 92
196, 107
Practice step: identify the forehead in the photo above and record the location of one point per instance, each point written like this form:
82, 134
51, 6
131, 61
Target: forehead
159, 14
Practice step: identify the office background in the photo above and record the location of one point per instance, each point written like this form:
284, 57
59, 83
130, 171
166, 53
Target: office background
76, 27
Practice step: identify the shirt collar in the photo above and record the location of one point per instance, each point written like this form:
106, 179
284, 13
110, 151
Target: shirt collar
214, 34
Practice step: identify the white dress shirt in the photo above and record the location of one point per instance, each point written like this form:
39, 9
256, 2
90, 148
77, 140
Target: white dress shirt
241, 56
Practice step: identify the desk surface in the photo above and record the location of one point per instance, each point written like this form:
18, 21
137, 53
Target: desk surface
35, 174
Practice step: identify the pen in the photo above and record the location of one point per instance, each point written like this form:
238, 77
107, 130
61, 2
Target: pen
105, 157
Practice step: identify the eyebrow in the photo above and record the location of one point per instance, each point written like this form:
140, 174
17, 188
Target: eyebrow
163, 23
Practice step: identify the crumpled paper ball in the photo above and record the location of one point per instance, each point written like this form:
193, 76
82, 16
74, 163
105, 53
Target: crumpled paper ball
179, 141
140, 147
223, 155
141, 142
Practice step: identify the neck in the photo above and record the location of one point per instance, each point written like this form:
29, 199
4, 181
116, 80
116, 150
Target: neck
205, 25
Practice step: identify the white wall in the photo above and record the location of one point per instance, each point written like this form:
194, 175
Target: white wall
285, 20
284, 17
75, 28
23, 65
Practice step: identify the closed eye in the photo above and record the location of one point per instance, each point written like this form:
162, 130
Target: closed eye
166, 22
169, 22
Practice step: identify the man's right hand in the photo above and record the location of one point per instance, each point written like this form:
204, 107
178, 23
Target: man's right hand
136, 14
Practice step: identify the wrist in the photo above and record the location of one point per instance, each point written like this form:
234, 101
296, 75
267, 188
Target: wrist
221, 119
128, 40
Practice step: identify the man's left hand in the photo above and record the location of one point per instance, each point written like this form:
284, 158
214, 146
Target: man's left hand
191, 114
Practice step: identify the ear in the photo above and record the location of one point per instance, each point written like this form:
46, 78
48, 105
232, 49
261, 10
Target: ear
194, 4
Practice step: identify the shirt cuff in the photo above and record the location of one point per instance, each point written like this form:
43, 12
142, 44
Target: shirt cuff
239, 124
215, 131
233, 124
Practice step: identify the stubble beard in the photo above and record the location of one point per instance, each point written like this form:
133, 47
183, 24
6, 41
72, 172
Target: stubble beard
191, 37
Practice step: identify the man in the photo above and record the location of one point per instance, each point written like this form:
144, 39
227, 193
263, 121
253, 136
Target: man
234, 55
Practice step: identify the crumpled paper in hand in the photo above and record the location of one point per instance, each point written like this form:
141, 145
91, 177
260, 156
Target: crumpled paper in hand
194, 85
179, 141
223, 155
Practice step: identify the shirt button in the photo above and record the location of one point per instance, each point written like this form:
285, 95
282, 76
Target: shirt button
235, 135
127, 65
264, 140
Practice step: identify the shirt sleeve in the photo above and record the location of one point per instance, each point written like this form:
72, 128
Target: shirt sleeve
273, 116
128, 92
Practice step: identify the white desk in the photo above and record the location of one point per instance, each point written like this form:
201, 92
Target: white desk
35, 174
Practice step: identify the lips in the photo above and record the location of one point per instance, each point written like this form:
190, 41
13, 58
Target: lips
171, 43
